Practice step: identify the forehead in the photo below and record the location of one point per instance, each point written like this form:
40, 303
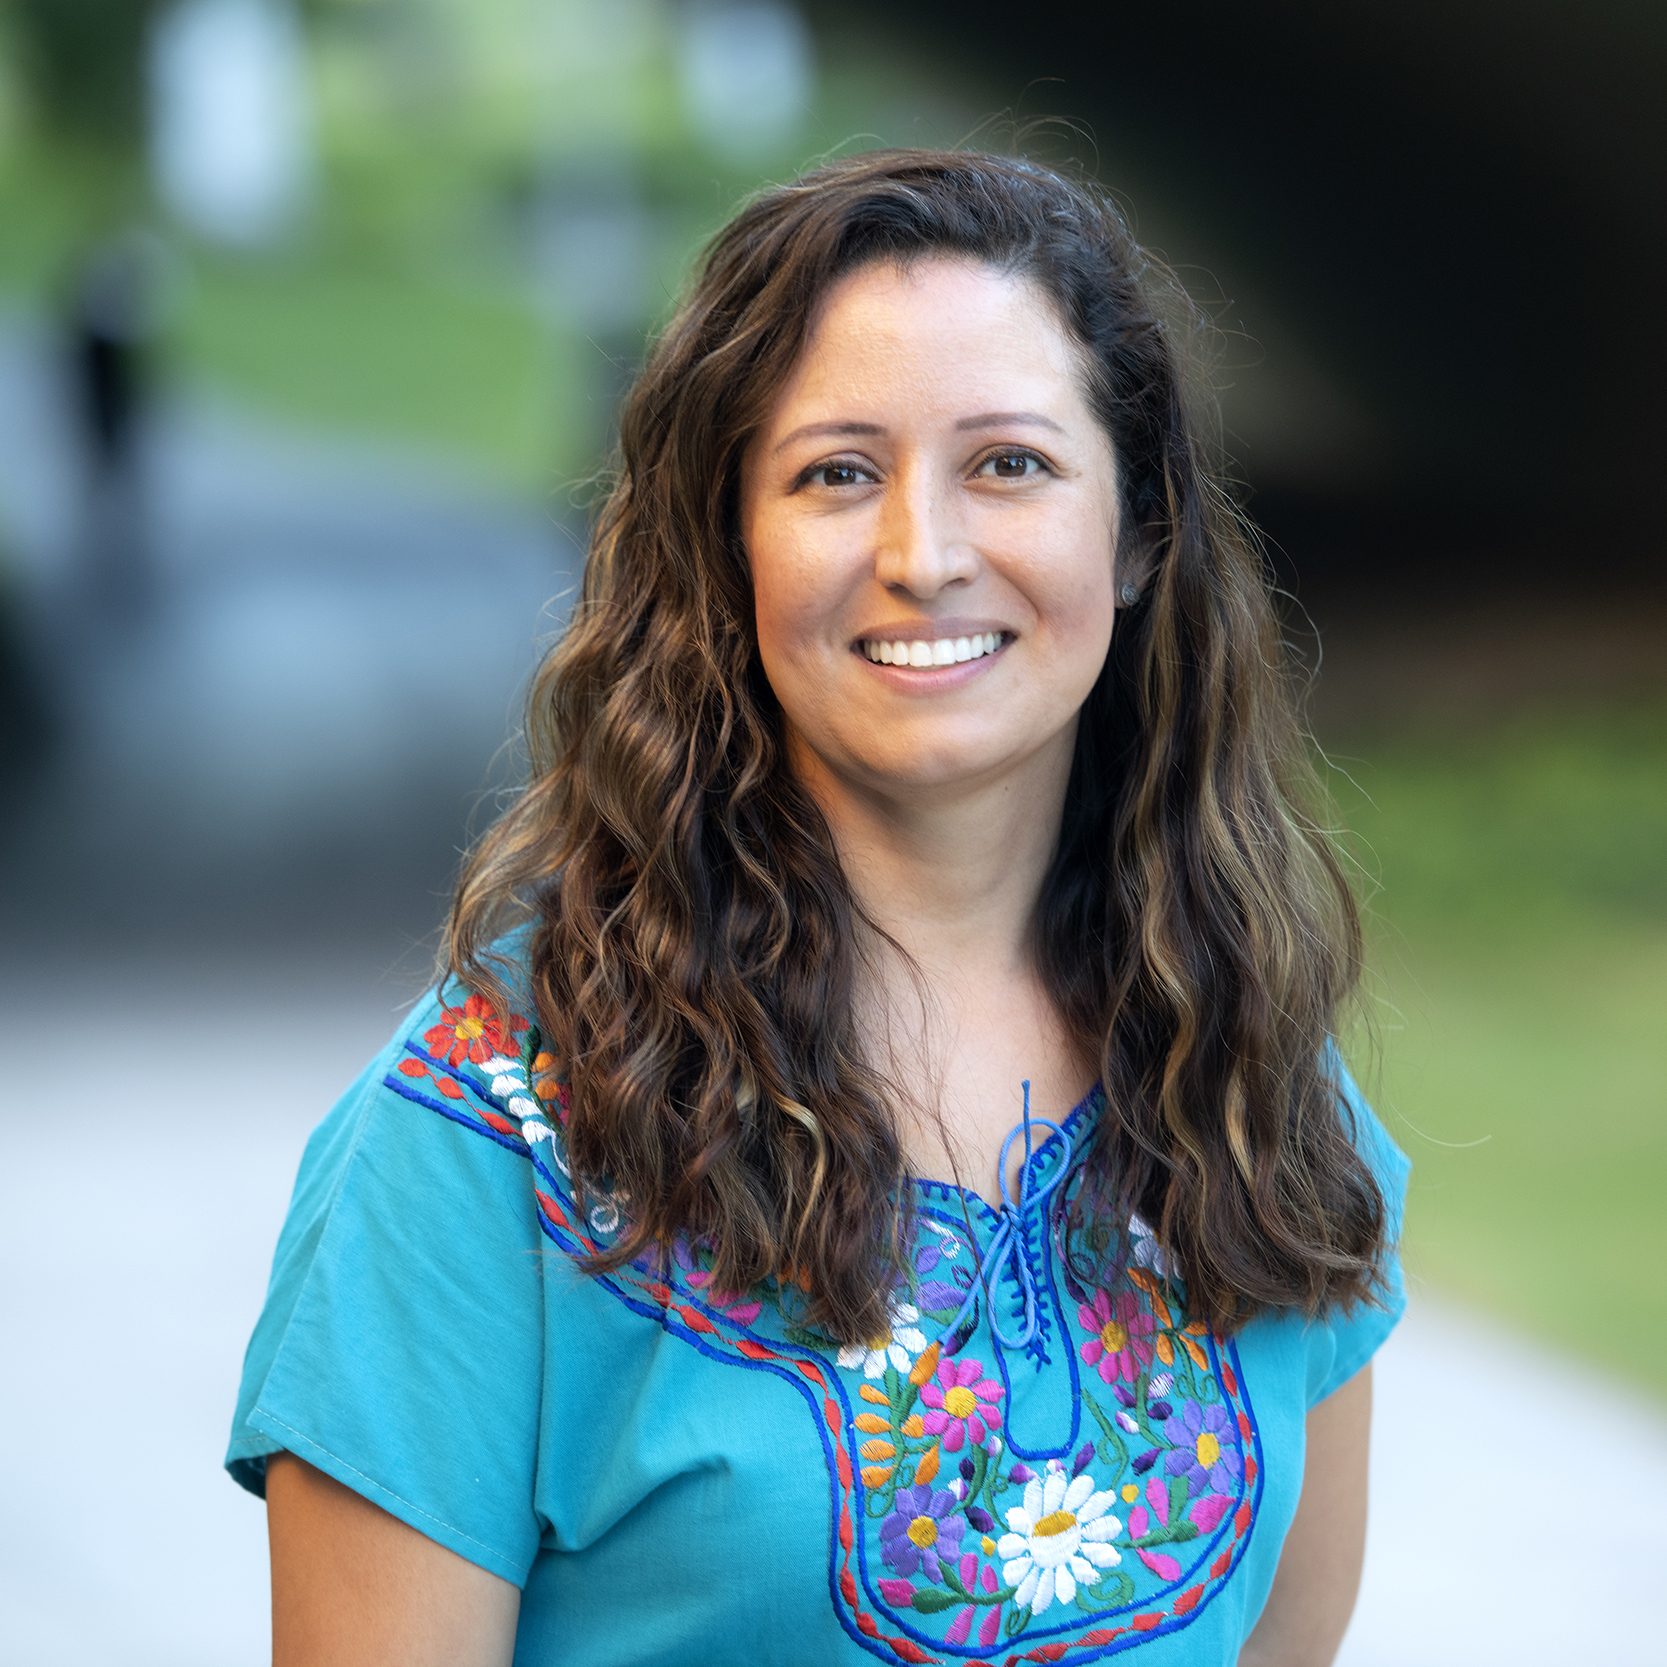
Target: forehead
941, 330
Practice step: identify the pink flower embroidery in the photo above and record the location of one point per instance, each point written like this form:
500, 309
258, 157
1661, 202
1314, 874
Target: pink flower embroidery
1122, 1342
961, 1404
741, 1307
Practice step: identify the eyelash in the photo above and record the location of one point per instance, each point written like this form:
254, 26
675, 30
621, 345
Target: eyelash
808, 476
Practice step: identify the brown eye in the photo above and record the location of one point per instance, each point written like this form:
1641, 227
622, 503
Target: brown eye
1011, 465
831, 475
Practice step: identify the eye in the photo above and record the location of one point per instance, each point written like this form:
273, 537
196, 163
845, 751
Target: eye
834, 474
1013, 463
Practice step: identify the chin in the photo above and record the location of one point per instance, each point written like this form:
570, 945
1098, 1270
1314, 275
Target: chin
935, 771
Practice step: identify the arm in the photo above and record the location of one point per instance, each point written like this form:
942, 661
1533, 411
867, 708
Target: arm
1314, 1587
352, 1584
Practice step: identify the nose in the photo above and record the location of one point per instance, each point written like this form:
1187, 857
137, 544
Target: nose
921, 545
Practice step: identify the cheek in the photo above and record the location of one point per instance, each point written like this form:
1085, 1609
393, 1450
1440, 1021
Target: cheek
797, 596
1076, 589
781, 617
791, 620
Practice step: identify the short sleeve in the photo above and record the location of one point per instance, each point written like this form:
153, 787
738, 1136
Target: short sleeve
400, 1348
1342, 1341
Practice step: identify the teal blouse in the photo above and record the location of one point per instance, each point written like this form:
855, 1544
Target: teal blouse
674, 1474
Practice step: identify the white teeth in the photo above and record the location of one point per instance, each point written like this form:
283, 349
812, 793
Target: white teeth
945, 651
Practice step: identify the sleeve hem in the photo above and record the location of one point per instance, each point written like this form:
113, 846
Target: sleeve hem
285, 1438
1346, 1365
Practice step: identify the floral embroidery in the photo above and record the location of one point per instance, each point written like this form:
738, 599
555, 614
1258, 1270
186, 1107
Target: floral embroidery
897, 1349
1147, 1252
473, 1032
924, 1526
982, 1585
947, 1543
1058, 1539
742, 1309
1121, 1344
963, 1406
547, 1084
1205, 1454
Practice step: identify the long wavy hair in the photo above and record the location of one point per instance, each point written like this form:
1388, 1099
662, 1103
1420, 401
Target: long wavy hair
693, 941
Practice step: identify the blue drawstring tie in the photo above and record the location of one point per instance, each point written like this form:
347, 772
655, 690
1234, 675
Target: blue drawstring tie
1007, 1244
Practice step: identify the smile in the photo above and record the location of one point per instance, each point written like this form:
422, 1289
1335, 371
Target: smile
945, 651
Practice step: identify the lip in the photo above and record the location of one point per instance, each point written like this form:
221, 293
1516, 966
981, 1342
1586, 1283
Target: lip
933, 680
930, 630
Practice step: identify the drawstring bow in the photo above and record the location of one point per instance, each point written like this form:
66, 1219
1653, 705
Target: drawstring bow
1007, 1244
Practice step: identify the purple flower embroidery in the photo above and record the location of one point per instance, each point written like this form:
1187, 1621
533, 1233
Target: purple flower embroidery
1206, 1450
923, 1526
961, 1403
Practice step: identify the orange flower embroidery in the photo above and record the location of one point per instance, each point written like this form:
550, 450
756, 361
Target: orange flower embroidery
472, 1032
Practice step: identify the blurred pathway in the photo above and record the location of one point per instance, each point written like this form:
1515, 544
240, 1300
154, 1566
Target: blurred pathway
302, 697
263, 770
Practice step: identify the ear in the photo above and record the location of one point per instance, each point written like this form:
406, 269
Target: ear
1139, 548
1142, 534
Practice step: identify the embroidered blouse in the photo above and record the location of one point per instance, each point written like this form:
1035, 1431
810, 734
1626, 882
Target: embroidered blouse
674, 1474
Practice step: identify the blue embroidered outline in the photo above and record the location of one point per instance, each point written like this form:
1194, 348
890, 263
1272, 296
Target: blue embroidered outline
1082, 1622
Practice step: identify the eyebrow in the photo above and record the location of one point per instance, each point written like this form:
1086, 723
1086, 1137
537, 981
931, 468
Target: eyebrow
985, 419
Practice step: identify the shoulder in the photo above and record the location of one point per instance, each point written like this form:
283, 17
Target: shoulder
1343, 1339
479, 1060
1390, 1167
409, 1282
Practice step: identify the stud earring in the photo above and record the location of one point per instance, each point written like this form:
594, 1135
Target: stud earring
1128, 593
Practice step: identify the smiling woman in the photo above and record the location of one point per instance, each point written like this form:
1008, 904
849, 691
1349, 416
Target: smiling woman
690, 1278
974, 499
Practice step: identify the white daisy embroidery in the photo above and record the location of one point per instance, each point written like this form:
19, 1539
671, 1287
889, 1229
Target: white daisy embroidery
906, 1341
1057, 1540
1148, 1253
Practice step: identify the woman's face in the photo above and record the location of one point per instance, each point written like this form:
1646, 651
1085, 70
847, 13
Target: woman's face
930, 516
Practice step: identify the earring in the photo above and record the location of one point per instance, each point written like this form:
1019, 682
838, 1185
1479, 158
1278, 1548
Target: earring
1129, 593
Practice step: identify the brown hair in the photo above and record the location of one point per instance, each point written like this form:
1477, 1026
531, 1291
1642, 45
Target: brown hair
693, 945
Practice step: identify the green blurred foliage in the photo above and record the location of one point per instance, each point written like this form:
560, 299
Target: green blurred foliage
447, 366
409, 306
1519, 977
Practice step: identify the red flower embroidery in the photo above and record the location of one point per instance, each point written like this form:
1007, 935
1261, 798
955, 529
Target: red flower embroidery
473, 1032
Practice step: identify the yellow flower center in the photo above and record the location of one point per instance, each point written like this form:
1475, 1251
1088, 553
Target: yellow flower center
1209, 1449
469, 1029
1055, 1522
924, 1532
960, 1402
1113, 1337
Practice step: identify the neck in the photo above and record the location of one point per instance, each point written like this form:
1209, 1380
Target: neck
953, 874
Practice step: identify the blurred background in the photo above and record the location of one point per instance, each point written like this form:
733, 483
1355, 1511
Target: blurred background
313, 315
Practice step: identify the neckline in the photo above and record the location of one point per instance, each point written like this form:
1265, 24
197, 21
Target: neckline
1072, 1125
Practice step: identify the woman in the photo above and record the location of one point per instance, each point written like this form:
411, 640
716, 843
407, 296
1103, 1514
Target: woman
876, 1180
